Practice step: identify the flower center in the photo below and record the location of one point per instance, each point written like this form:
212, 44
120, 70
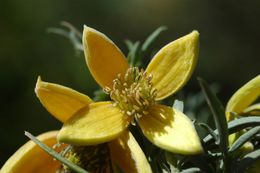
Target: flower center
94, 158
133, 93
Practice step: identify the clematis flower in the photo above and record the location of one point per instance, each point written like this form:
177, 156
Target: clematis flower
124, 152
241, 103
135, 95
242, 99
62, 102
30, 158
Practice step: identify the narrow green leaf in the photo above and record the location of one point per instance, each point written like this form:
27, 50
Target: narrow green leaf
132, 55
129, 44
57, 31
68, 34
191, 170
72, 34
148, 42
56, 155
244, 138
71, 28
178, 105
210, 130
218, 115
242, 123
237, 125
248, 160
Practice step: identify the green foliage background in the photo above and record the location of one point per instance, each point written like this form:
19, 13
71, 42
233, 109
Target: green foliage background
229, 49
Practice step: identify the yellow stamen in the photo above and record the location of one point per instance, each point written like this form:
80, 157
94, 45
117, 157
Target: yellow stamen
133, 93
92, 158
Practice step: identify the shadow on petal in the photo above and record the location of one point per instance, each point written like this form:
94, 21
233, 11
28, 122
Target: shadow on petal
171, 130
160, 118
128, 155
97, 123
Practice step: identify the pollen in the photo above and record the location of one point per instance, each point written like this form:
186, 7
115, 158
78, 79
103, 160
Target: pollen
94, 158
133, 93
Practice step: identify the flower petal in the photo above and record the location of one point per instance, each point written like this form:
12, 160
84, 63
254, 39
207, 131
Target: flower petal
30, 158
243, 97
171, 130
99, 122
128, 155
173, 65
253, 109
60, 101
104, 59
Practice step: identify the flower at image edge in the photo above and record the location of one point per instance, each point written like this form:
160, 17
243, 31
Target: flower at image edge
242, 99
30, 158
241, 103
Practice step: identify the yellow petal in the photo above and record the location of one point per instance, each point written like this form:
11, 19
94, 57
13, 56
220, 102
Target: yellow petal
243, 97
128, 155
171, 130
60, 101
99, 122
232, 138
31, 159
246, 148
173, 65
105, 61
253, 109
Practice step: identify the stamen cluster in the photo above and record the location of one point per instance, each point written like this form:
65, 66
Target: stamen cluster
94, 158
133, 93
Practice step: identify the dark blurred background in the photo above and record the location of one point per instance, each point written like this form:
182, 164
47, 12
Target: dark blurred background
229, 49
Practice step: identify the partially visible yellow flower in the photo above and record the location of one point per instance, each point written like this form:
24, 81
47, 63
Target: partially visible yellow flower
30, 158
241, 103
63, 102
125, 153
134, 93
242, 99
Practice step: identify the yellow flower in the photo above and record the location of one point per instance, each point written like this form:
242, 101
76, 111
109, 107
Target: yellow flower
241, 103
242, 99
30, 158
134, 93
63, 102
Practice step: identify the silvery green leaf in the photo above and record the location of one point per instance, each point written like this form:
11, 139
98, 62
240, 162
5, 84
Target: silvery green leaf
179, 105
